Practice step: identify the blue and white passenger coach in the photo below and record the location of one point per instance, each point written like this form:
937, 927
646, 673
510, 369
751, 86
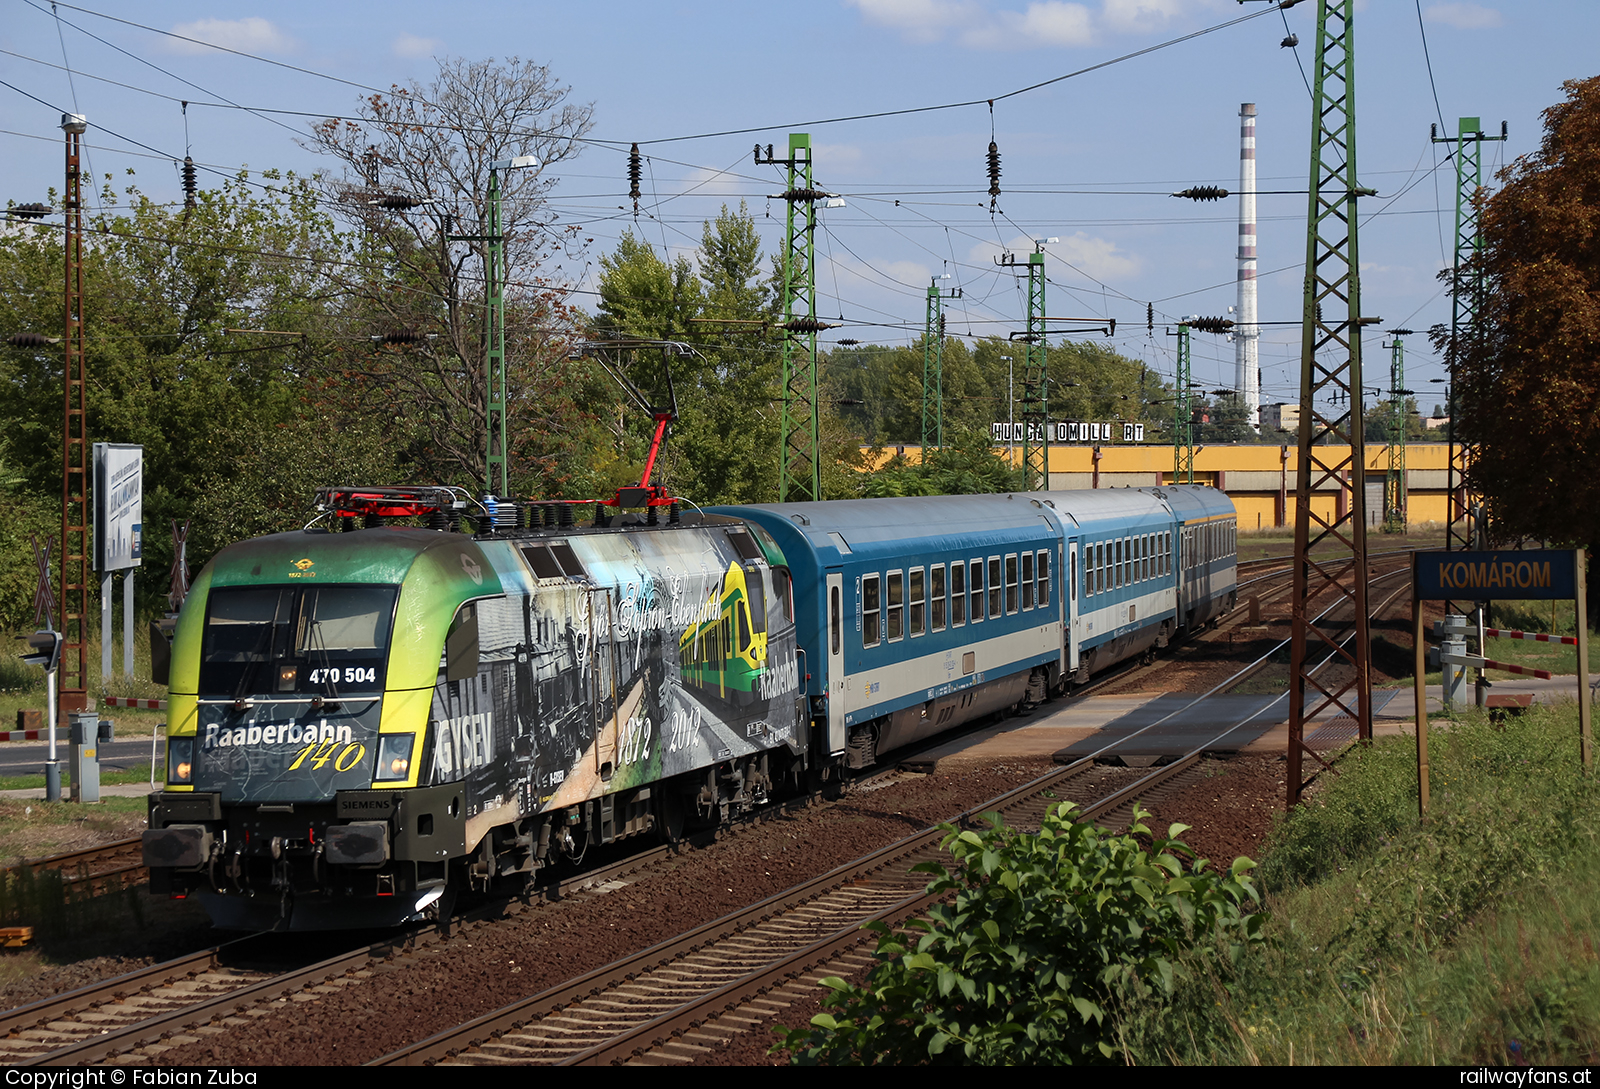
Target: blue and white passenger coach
917, 614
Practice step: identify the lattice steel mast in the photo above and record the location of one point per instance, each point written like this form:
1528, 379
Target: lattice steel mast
933, 367
1394, 482
72, 679
1183, 415
1330, 547
1466, 280
800, 468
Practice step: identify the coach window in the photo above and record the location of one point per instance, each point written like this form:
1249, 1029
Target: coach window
1043, 570
1011, 584
1027, 580
1116, 565
1099, 572
919, 597
936, 589
975, 585
1144, 558
871, 606
996, 588
894, 618
958, 594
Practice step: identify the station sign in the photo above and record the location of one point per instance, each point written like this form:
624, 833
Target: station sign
1066, 431
1534, 574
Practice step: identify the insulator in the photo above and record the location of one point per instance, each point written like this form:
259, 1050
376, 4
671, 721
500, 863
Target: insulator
396, 203
806, 194
757, 155
769, 153
994, 173
402, 336
1203, 193
1211, 325
941, 326
1400, 332
634, 174
848, 342
30, 211
190, 186
1150, 317
29, 340
805, 325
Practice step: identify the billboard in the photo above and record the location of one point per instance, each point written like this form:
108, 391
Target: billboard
118, 505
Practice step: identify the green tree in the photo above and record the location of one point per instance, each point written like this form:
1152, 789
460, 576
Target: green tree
1528, 384
1048, 933
721, 308
422, 270
170, 295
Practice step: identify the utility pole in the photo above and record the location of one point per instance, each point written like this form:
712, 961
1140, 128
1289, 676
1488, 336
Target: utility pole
800, 441
1466, 278
1330, 548
1394, 484
1183, 415
73, 678
496, 273
933, 368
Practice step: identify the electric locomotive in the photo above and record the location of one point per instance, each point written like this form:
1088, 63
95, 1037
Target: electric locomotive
363, 721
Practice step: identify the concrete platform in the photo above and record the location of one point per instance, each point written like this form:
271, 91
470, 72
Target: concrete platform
1149, 729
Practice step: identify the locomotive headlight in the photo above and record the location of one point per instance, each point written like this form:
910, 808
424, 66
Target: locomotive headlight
180, 760
394, 757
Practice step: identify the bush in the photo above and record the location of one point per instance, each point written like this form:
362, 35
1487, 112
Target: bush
1048, 934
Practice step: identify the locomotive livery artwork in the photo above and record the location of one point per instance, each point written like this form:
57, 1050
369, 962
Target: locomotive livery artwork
364, 721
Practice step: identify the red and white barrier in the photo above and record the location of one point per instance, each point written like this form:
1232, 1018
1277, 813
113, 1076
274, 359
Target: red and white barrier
128, 701
1500, 633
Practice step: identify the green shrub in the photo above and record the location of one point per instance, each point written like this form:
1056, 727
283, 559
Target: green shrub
1049, 934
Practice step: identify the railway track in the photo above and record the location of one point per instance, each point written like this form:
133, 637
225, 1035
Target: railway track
670, 1002
676, 999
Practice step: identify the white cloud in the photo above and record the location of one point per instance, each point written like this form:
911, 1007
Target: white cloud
410, 45
980, 24
1049, 23
920, 20
251, 34
1095, 256
1463, 16
1137, 16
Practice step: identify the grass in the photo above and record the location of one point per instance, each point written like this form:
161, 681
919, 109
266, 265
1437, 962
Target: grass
22, 686
1464, 941
138, 774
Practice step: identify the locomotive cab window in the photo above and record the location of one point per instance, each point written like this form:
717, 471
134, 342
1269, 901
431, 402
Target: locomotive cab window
293, 640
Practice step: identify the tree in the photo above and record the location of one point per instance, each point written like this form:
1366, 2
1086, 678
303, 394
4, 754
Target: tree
1048, 934
1528, 382
435, 143
162, 288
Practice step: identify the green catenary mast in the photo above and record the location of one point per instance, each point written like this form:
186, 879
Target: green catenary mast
800, 471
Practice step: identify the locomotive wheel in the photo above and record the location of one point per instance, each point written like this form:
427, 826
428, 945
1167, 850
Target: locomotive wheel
674, 816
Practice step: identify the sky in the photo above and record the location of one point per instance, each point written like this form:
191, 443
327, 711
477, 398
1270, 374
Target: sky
1088, 160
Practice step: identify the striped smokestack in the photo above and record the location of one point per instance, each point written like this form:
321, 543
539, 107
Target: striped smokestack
1247, 360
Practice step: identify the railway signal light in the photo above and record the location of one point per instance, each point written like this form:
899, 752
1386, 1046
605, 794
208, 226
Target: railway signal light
46, 650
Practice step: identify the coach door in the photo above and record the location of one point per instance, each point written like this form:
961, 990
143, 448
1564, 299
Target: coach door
1070, 601
835, 675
